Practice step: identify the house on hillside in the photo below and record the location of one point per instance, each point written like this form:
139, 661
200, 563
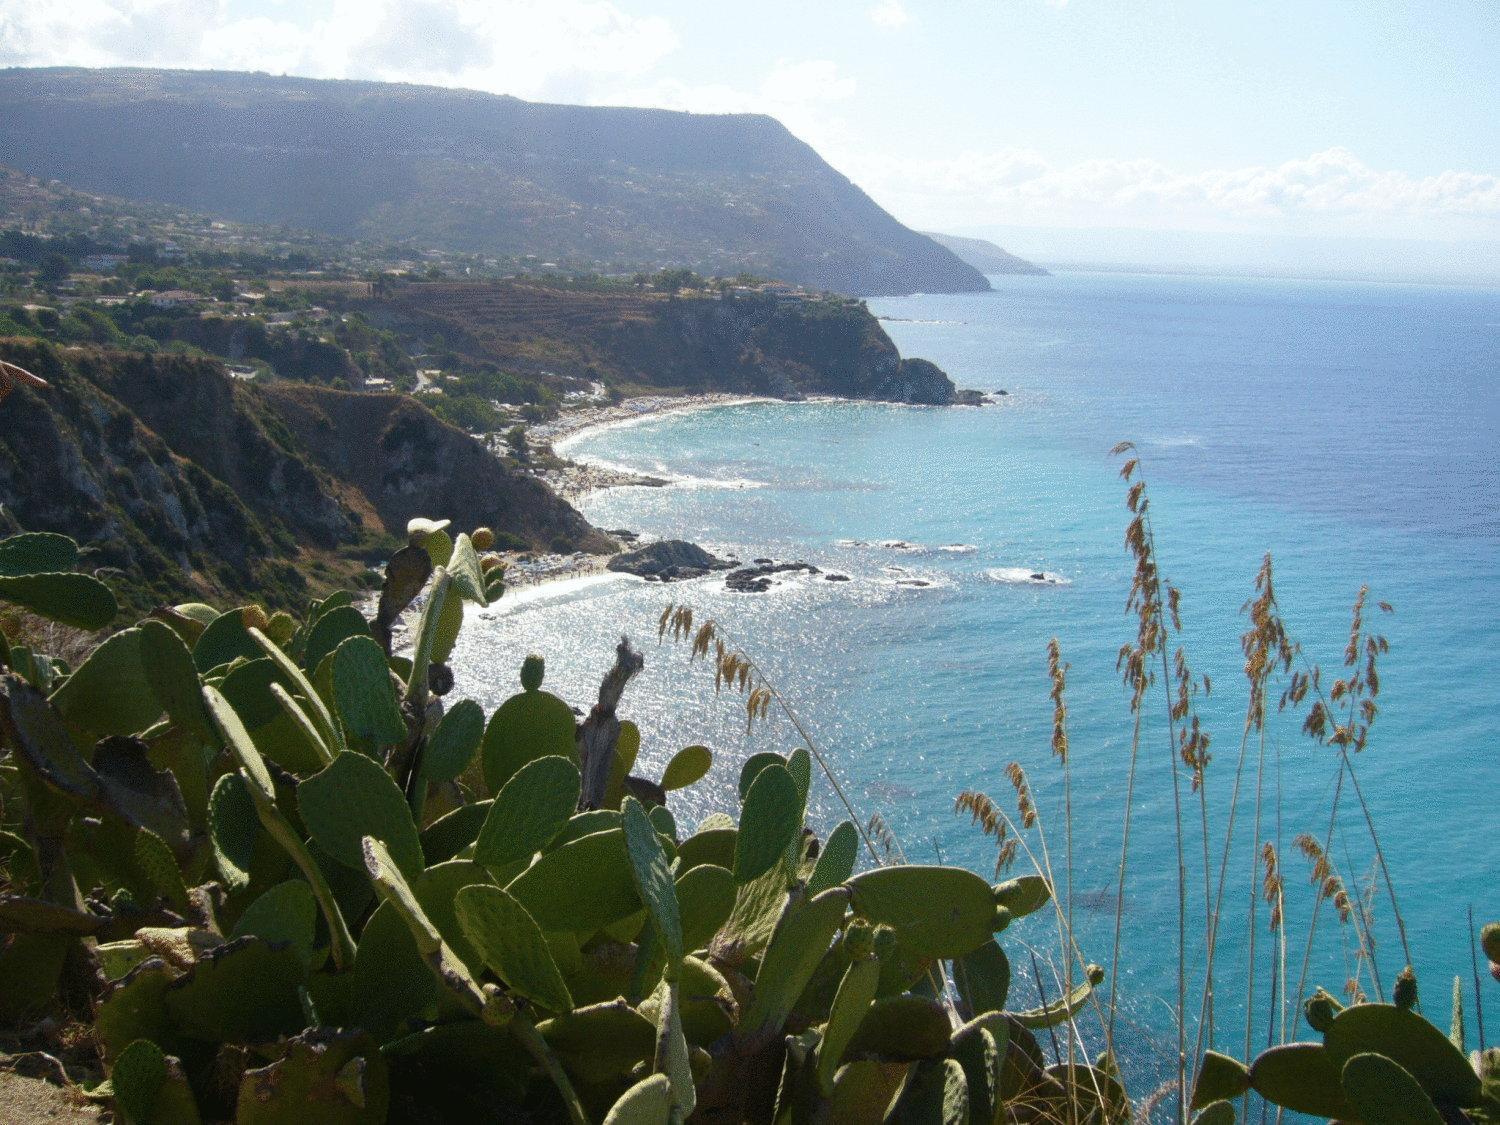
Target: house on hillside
176, 299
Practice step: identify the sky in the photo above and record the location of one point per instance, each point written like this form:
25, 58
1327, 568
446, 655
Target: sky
1370, 122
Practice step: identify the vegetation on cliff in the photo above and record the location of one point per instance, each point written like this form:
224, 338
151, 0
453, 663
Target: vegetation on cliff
582, 186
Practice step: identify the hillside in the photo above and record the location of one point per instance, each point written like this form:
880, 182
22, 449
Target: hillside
586, 187
751, 342
984, 255
198, 486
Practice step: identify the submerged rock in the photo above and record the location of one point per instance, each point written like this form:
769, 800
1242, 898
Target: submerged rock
757, 579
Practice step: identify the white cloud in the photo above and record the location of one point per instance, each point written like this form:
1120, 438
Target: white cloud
1332, 188
890, 14
532, 48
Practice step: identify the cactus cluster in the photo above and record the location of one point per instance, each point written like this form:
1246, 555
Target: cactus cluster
292, 879
1376, 1062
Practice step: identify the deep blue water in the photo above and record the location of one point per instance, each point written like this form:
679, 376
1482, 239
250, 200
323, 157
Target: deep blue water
1348, 429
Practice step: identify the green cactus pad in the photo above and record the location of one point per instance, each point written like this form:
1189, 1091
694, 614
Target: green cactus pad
769, 823
288, 913
650, 870
974, 1049
935, 911
276, 733
365, 695
864, 1089
705, 894
224, 639
109, 693
158, 869
78, 600
1220, 1078
752, 767
512, 946
936, 1093
529, 811
354, 798
687, 767
1381, 1090
836, 860
150, 1088
983, 978
173, 677
585, 824
627, 749
135, 1008
581, 887
453, 744
232, 829
332, 629
533, 724
468, 576
648, 1102
242, 992
1063, 1008
797, 945
324, 1075
445, 837
1301, 1077
850, 1005
902, 1028
392, 984
1022, 896
600, 1042
714, 846
36, 552
1409, 1041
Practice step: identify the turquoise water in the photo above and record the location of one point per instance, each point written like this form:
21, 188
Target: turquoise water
1349, 429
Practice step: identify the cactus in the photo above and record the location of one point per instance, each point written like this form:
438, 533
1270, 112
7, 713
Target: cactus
705, 895
1409, 1041
353, 798
836, 860
687, 767
445, 837
286, 913
850, 1004
1381, 1090
752, 767
1404, 994
982, 977
78, 600
109, 693
1301, 1077
902, 1028
652, 876
1220, 1078
580, 887
797, 945
1064, 1008
454, 742
935, 911
1217, 1113
936, 1092
533, 724
769, 822
364, 696
1022, 896
242, 992
528, 812
339, 1076
150, 1088
1320, 1008
714, 846
648, 1102
512, 946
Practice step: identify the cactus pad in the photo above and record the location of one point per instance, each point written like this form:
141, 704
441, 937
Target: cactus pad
452, 745
1409, 1041
533, 724
529, 811
935, 911
365, 696
512, 946
769, 822
353, 798
687, 767
337, 1077
580, 887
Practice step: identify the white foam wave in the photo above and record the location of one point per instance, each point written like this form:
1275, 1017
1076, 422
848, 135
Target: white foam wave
556, 592
1176, 441
1022, 575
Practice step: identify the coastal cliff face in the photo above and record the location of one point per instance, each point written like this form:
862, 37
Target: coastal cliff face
588, 187
752, 344
199, 487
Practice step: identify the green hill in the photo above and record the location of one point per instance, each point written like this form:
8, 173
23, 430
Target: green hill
583, 186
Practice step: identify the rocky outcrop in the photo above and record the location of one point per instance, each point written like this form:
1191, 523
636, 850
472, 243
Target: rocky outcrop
669, 560
747, 343
196, 487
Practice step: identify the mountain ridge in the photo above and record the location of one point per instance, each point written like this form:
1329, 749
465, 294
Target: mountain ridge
482, 173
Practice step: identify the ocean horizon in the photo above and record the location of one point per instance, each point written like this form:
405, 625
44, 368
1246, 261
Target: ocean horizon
1345, 428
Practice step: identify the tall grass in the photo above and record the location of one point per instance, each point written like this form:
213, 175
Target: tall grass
1222, 882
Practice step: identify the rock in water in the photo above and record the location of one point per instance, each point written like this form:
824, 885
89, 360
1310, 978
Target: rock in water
669, 560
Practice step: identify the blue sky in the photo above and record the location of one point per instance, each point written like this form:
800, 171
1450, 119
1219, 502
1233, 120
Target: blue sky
1282, 118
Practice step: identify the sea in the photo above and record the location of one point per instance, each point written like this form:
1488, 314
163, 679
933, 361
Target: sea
1345, 428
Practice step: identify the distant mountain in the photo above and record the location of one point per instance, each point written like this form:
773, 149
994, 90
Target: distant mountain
985, 256
591, 187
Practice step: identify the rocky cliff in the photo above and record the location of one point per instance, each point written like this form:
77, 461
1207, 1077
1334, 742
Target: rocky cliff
755, 343
197, 486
